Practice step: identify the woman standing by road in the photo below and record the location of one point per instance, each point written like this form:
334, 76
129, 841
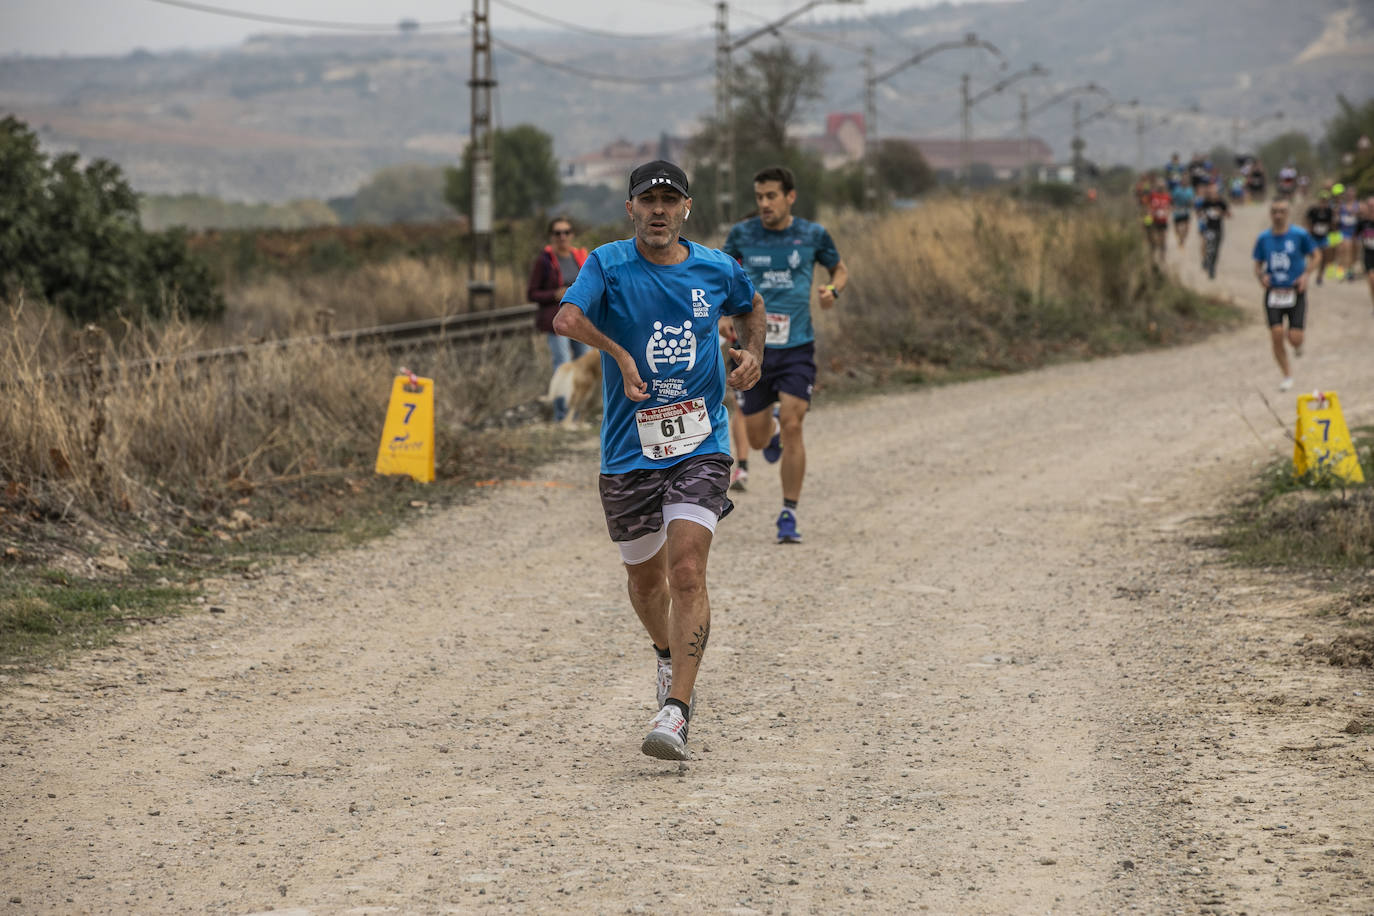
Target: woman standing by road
553, 271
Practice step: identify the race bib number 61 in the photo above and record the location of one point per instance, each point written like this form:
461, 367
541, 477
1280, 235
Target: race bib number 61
1283, 298
673, 429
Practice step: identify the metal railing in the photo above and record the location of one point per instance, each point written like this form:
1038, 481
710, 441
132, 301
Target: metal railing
463, 330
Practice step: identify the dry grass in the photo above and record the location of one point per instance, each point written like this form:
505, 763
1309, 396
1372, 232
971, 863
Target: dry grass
402, 289
170, 438
985, 284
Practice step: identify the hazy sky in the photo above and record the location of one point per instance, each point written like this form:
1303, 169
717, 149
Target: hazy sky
81, 27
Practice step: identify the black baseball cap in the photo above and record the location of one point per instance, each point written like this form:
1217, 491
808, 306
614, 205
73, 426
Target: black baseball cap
655, 173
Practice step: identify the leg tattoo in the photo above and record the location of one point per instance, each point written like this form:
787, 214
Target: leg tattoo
697, 648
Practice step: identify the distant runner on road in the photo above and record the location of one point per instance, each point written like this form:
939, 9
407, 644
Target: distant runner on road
652, 306
1288, 180
1214, 210
1321, 220
778, 250
1182, 197
1158, 206
1282, 268
1364, 237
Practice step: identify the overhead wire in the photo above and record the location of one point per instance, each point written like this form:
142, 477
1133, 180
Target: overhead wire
599, 33
595, 75
439, 25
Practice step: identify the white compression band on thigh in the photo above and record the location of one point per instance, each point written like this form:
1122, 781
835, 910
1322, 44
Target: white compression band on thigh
642, 549
692, 513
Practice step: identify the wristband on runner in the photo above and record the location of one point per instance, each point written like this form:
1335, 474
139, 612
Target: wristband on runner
834, 293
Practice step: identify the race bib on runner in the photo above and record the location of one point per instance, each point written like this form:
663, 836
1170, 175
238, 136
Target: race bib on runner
1369, 241
673, 429
1320, 228
779, 329
1283, 298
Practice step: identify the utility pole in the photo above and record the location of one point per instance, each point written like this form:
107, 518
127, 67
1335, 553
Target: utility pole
482, 270
1077, 144
870, 134
966, 151
871, 80
1140, 143
1025, 145
725, 122
966, 131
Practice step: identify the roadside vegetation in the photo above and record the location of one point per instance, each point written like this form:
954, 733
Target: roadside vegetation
1320, 528
989, 285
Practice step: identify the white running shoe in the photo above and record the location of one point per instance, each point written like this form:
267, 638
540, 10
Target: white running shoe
665, 685
739, 479
665, 680
1285, 384
667, 738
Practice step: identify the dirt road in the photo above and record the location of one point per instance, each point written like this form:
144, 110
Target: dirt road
999, 677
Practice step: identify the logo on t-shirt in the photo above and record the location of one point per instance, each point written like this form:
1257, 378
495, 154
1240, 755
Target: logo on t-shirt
672, 345
794, 259
700, 307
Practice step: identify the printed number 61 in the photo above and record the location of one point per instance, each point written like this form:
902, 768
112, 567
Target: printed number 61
670, 429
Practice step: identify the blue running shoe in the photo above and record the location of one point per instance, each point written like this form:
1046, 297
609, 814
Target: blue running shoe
773, 450
787, 528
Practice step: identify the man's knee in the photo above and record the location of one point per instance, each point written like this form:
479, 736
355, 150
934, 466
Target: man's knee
646, 579
687, 573
759, 428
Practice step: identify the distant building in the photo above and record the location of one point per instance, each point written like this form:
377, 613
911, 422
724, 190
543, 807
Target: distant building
842, 142
1005, 157
611, 165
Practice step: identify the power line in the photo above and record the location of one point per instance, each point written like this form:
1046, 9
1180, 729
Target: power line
806, 35
599, 33
311, 23
592, 74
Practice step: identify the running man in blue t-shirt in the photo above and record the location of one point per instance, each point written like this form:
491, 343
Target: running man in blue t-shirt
1282, 268
778, 250
651, 305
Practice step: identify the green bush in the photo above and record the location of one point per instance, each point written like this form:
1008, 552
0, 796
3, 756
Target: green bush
70, 235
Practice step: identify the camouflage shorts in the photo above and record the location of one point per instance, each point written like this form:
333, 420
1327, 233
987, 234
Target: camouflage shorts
634, 501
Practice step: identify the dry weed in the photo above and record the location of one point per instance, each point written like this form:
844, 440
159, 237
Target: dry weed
92, 438
989, 284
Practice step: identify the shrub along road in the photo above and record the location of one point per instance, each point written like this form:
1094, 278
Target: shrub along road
999, 677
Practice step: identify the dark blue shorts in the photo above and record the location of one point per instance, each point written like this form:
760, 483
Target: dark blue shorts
786, 370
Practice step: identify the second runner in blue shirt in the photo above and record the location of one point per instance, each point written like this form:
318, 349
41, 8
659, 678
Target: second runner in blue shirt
778, 251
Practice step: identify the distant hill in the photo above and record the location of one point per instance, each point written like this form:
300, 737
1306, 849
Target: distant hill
284, 118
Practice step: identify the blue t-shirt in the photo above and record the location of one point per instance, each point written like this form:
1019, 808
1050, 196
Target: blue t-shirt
665, 316
1183, 199
780, 263
1284, 256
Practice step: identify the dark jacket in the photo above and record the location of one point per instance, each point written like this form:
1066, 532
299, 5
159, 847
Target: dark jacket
545, 278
